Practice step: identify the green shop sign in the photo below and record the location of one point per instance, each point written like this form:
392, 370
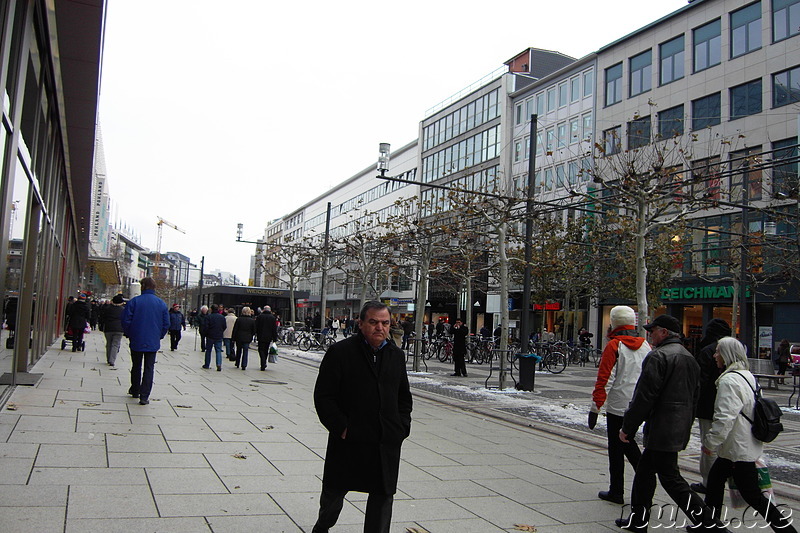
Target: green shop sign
707, 292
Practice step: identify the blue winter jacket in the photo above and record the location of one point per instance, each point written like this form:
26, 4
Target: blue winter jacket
145, 321
176, 320
215, 327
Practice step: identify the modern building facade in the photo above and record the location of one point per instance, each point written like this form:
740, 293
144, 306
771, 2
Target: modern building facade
50, 54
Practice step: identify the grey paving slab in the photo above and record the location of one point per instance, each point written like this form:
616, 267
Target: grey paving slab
20, 495
18, 450
237, 524
289, 450
299, 468
196, 432
136, 443
81, 396
118, 429
126, 525
16, 470
45, 423
87, 476
71, 455
155, 459
273, 484
32, 519
422, 490
88, 438
218, 447
500, 510
216, 505
185, 481
106, 416
303, 509
111, 501
230, 464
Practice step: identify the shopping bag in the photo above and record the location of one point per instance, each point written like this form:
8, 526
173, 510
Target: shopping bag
764, 484
273, 353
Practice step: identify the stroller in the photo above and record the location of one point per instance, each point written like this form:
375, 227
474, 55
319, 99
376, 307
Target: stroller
69, 336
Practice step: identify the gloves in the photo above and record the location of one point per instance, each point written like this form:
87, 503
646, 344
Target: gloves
593, 412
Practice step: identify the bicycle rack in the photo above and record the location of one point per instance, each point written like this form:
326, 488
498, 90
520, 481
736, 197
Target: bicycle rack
495, 365
416, 353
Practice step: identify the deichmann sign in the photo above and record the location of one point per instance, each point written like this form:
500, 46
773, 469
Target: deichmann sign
707, 292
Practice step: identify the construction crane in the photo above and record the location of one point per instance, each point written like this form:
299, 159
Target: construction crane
161, 222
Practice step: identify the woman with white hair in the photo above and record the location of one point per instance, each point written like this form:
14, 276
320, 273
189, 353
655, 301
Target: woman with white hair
731, 437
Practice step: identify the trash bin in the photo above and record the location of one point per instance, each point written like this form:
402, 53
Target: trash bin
527, 370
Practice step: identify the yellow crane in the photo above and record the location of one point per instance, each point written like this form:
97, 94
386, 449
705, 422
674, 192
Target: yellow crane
161, 222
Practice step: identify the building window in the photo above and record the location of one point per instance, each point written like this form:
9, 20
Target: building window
670, 122
551, 99
612, 140
563, 95
518, 114
785, 19
587, 126
706, 178
574, 130
746, 99
551, 140
671, 64
745, 169
588, 83
548, 179
561, 176
638, 132
641, 73
540, 104
746, 30
614, 84
575, 89
707, 45
528, 109
786, 87
706, 111
526, 144
562, 135
517, 151
785, 165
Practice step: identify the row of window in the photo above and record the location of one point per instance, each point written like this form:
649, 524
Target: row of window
566, 176
744, 100
470, 116
744, 37
556, 97
379, 191
438, 200
469, 152
572, 131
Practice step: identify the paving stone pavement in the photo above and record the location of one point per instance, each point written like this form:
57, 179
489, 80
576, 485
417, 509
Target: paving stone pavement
237, 451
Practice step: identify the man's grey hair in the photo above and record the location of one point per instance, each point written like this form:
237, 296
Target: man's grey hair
204, 308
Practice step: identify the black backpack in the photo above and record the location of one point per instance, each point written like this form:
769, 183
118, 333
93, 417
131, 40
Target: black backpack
766, 421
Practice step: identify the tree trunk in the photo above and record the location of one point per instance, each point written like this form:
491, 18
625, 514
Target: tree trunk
641, 263
501, 245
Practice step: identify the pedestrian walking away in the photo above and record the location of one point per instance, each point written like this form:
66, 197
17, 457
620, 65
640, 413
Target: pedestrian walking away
665, 397
145, 322
227, 342
460, 332
363, 399
244, 329
266, 333
202, 324
112, 328
215, 328
176, 323
620, 367
715, 329
731, 437
79, 314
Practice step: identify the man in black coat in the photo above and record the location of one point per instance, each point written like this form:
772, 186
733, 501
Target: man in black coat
266, 332
363, 399
460, 332
78, 318
665, 397
715, 329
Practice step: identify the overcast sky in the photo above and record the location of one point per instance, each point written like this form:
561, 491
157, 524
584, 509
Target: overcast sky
215, 113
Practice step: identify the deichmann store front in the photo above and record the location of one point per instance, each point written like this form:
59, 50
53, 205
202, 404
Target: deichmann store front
773, 311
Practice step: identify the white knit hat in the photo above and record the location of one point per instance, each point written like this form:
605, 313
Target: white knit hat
622, 315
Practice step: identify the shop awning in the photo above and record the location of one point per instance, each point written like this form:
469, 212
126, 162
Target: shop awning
106, 269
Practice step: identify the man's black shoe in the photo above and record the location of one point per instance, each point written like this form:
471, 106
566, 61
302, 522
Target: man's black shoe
465, 375
700, 528
610, 497
457, 375
699, 488
625, 523
144, 401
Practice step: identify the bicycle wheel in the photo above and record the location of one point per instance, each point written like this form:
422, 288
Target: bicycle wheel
441, 353
305, 344
557, 362
595, 354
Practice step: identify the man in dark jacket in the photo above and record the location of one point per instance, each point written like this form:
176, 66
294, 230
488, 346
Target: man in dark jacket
363, 399
460, 332
78, 318
709, 372
215, 328
665, 397
112, 327
176, 322
202, 324
266, 332
145, 322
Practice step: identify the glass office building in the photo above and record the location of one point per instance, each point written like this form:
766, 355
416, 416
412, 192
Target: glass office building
50, 56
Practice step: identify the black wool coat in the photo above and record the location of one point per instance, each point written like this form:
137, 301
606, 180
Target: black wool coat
665, 398
372, 400
244, 329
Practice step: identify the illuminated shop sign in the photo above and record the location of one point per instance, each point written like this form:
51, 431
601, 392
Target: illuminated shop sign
705, 292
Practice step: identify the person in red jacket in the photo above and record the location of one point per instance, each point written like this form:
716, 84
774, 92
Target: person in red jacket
620, 366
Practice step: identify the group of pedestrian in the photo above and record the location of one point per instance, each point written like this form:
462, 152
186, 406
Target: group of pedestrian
660, 384
236, 334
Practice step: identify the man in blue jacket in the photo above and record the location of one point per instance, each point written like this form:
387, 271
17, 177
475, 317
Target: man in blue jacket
215, 328
145, 322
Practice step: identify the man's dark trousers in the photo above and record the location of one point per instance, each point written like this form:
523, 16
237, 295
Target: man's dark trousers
665, 464
142, 382
378, 516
